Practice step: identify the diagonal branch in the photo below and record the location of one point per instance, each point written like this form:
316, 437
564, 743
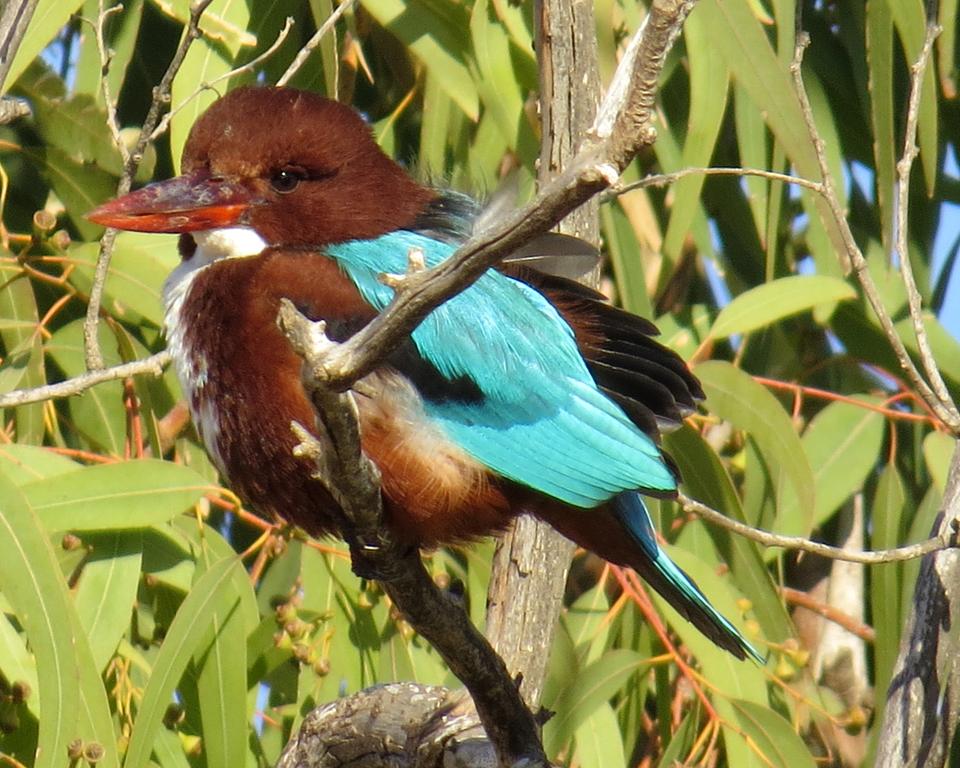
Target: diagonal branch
332, 369
945, 539
601, 159
313, 42
354, 482
910, 151
945, 410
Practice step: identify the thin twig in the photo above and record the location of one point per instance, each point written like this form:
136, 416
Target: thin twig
800, 390
904, 166
152, 366
161, 96
797, 597
946, 414
106, 57
666, 179
867, 557
314, 41
250, 66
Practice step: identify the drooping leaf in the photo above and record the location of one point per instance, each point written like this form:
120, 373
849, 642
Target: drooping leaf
24, 463
938, 450
773, 738
211, 592
768, 303
108, 587
121, 495
843, 444
886, 581
589, 691
599, 744
706, 480
221, 662
755, 65
81, 186
138, 268
23, 365
709, 86
879, 37
443, 51
733, 395
49, 17
71, 698
224, 24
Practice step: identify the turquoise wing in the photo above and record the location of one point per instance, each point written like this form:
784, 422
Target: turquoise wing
542, 421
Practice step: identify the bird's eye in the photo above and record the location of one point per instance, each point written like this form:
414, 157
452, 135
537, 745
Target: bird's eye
286, 180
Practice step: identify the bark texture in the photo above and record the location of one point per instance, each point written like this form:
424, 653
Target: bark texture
400, 725
15, 16
531, 562
923, 701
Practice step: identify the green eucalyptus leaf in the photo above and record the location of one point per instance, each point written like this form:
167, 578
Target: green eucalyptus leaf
771, 302
49, 16
121, 495
443, 49
772, 738
735, 396
212, 592
587, 692
107, 590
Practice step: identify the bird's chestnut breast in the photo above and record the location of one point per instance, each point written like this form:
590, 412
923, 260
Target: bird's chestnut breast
242, 381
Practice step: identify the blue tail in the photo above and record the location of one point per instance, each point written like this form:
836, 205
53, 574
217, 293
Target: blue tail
678, 589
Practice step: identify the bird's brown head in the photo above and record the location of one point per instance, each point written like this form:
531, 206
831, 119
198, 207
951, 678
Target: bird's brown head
299, 169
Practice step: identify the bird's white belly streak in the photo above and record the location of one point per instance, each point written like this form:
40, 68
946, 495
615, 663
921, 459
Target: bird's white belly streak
189, 361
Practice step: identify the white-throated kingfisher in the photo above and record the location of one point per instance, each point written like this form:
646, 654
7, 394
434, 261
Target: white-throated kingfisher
523, 394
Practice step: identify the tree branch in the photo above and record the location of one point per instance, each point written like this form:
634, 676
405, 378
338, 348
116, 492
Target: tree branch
354, 482
945, 539
923, 700
103, 14
332, 369
14, 20
152, 366
901, 211
945, 410
304, 53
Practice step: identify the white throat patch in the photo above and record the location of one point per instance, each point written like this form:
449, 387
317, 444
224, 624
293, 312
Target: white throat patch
228, 243
212, 245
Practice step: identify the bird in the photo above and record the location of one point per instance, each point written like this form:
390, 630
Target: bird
526, 393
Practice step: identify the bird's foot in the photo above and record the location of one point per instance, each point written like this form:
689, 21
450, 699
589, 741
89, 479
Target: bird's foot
376, 561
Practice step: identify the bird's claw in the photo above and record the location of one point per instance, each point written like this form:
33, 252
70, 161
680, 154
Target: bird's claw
369, 561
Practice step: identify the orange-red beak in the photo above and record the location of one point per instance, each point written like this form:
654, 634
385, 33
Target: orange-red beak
188, 203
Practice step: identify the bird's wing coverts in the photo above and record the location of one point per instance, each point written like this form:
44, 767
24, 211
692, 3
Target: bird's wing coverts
542, 421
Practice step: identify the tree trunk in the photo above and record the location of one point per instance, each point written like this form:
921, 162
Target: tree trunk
15, 16
923, 701
531, 561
